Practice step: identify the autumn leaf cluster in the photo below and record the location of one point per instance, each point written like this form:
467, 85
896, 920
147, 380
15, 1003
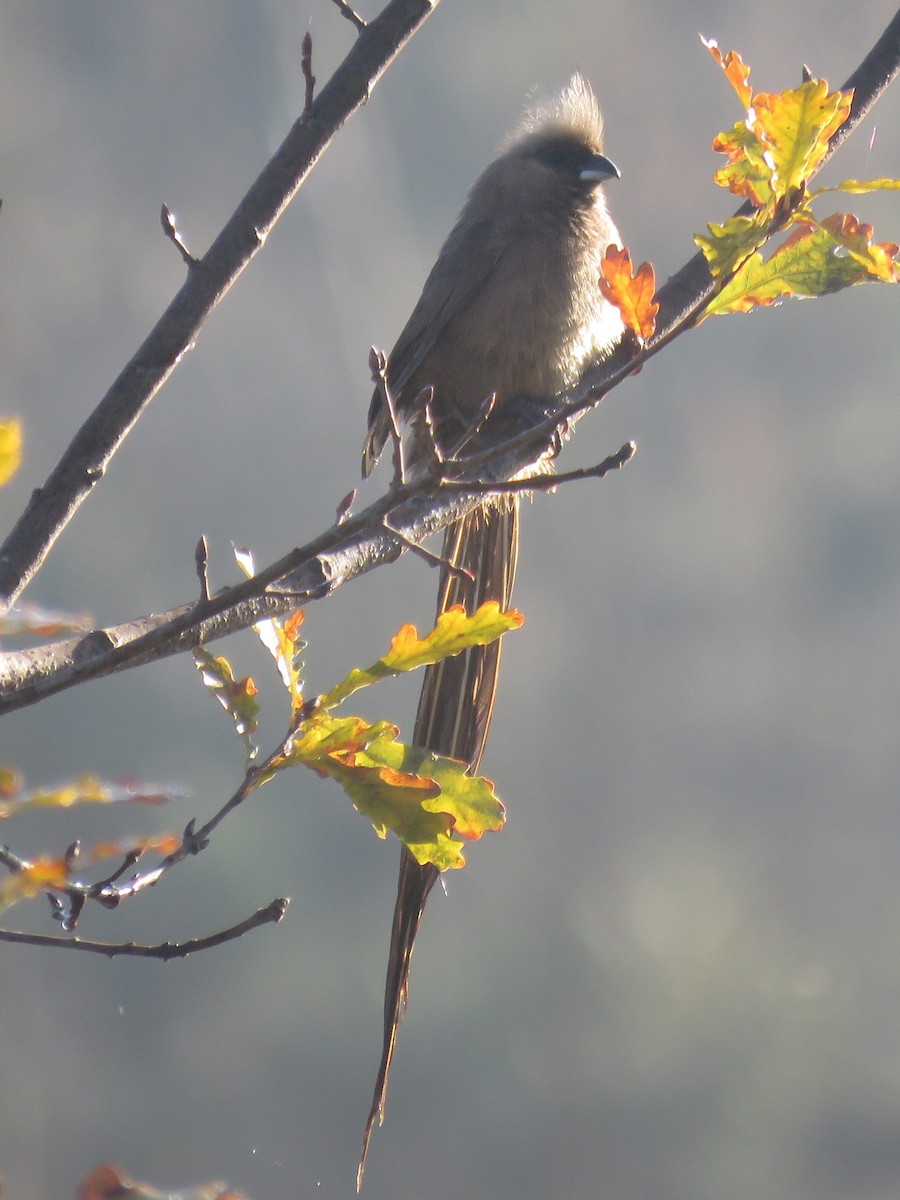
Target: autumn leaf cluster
771, 154
431, 803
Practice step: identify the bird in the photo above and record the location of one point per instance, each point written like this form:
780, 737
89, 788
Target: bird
511, 311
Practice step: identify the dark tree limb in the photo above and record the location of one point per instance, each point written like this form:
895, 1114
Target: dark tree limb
396, 523
52, 506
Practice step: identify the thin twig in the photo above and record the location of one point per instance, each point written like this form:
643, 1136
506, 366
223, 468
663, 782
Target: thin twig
353, 17
345, 509
269, 915
487, 406
306, 69
549, 483
201, 562
433, 560
378, 368
423, 404
313, 571
170, 229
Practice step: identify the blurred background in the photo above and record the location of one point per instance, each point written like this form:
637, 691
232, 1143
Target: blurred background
676, 974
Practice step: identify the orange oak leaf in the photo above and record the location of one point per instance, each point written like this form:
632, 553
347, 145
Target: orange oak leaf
631, 292
736, 70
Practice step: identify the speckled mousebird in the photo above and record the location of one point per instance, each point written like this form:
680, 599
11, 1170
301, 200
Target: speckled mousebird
511, 309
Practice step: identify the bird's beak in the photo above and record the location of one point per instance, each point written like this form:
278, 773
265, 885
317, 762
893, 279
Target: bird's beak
598, 169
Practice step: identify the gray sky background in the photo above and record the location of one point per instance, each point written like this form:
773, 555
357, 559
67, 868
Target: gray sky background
676, 974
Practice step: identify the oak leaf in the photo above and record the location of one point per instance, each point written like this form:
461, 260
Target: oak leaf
630, 291
736, 70
453, 632
795, 127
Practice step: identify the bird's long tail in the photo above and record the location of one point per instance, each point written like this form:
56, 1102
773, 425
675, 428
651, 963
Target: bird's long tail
453, 719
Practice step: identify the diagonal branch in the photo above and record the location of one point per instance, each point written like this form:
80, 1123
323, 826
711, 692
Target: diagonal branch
84, 462
311, 572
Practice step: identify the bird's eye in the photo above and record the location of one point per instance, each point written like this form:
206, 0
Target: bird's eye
567, 157
579, 163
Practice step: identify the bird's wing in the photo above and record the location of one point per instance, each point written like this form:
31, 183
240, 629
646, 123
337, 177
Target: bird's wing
467, 260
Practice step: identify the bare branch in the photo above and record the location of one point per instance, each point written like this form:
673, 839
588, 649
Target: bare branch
193, 840
84, 462
201, 562
170, 229
311, 572
378, 369
345, 508
433, 560
269, 915
549, 483
308, 77
353, 17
